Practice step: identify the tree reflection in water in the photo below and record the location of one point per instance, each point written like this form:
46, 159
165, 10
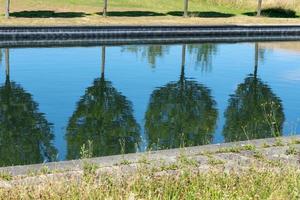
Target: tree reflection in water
25, 135
203, 53
180, 113
254, 111
105, 117
150, 52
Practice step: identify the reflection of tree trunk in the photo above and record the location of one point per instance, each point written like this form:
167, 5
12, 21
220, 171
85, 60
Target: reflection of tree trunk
186, 5
182, 62
182, 84
103, 61
7, 9
259, 8
105, 8
7, 64
256, 60
255, 72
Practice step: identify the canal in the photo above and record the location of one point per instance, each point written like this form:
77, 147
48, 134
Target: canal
131, 98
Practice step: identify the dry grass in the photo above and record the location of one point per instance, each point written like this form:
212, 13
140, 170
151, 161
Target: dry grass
182, 183
165, 20
211, 175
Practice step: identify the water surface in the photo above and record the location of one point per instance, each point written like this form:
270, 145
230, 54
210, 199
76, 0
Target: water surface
124, 99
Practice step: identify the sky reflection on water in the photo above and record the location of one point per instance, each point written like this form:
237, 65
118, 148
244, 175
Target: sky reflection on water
141, 97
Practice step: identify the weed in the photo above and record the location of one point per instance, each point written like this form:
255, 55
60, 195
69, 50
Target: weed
45, 170
237, 149
295, 141
278, 142
248, 147
89, 171
172, 166
143, 159
205, 153
265, 145
5, 176
270, 113
86, 152
184, 160
214, 161
258, 155
125, 162
291, 150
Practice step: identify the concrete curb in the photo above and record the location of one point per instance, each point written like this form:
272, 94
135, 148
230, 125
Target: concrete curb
113, 35
166, 155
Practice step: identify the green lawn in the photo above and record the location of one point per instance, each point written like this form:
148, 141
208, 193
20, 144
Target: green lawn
157, 7
150, 12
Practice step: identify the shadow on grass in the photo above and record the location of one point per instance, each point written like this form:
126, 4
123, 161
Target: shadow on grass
47, 14
132, 14
275, 12
208, 14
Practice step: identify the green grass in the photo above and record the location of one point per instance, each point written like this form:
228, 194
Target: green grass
213, 161
181, 179
237, 149
185, 184
278, 142
201, 8
291, 150
5, 176
150, 12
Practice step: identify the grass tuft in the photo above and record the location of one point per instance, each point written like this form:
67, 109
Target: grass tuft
291, 150
295, 141
5, 176
251, 184
184, 160
214, 161
278, 142
237, 149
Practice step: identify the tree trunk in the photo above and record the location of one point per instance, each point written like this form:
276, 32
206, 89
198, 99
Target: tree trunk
259, 8
105, 8
186, 7
7, 9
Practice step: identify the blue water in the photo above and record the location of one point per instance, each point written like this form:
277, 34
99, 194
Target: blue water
58, 78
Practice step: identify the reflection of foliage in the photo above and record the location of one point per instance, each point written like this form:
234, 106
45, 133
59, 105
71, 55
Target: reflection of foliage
1, 56
25, 135
105, 117
253, 112
204, 53
180, 113
151, 52
261, 54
